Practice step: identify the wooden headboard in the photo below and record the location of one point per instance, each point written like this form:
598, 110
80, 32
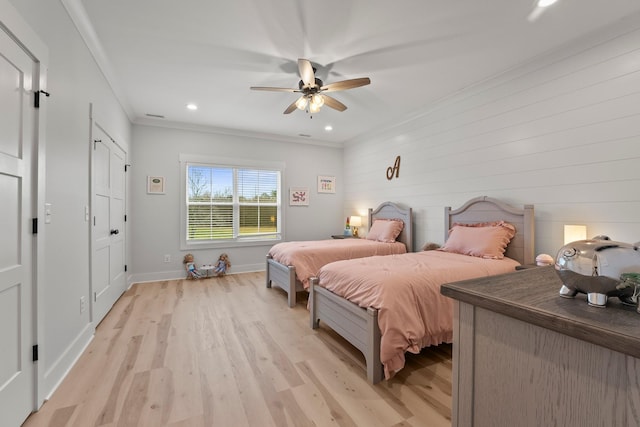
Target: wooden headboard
389, 210
486, 209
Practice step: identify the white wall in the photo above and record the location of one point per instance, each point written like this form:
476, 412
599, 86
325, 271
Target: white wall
156, 218
561, 132
74, 81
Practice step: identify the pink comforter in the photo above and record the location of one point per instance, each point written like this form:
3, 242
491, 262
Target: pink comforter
405, 289
308, 257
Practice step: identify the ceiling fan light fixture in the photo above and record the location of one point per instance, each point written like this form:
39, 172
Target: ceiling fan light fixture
301, 103
317, 100
311, 88
314, 108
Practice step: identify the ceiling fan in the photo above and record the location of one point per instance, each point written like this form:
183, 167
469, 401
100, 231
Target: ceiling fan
313, 90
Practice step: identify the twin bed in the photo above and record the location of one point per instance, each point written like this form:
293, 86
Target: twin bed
290, 265
387, 305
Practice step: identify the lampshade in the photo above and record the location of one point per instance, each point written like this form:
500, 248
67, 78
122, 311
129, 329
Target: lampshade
573, 233
317, 100
301, 103
355, 221
314, 108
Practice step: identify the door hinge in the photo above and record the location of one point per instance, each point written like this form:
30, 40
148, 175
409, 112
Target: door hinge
125, 218
34, 225
125, 267
34, 353
126, 167
36, 97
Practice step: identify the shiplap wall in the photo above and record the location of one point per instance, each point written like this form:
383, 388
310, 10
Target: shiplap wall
561, 132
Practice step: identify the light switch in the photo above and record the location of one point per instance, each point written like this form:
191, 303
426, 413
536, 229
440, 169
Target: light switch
47, 213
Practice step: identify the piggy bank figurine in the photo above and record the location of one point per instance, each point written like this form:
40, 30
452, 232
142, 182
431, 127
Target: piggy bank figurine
596, 267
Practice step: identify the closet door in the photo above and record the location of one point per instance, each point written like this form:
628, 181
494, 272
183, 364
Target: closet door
108, 279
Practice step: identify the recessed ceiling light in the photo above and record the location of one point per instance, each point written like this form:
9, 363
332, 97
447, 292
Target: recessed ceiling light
328, 128
192, 107
545, 3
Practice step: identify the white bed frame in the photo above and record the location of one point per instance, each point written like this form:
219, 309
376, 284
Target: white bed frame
284, 276
359, 326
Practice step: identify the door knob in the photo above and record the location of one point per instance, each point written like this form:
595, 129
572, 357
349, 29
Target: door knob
116, 231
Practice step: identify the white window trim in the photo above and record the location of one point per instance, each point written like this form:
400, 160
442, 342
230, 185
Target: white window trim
225, 162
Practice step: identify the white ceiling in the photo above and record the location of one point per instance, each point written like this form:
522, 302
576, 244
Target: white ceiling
160, 55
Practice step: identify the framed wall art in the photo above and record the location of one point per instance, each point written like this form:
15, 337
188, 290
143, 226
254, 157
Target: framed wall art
155, 185
326, 184
298, 196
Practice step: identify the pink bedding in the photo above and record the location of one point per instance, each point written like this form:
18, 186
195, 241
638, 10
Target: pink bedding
405, 289
308, 257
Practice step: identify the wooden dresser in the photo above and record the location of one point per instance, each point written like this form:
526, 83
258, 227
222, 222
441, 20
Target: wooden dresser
524, 356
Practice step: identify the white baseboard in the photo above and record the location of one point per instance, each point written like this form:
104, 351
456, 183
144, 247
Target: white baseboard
56, 371
180, 274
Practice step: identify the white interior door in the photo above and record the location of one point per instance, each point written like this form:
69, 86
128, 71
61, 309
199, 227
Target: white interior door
17, 121
108, 279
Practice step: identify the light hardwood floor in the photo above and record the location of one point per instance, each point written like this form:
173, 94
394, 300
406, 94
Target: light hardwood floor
229, 352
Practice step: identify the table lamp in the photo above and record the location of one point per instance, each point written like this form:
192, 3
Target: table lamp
573, 233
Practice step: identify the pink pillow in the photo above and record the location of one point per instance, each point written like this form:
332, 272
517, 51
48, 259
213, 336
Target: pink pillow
385, 230
484, 240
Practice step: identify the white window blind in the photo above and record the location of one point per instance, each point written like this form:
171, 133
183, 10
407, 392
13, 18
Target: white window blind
231, 203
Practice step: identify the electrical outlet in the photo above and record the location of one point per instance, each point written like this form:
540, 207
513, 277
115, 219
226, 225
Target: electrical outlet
167, 258
83, 304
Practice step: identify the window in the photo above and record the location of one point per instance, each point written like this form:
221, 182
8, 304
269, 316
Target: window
231, 204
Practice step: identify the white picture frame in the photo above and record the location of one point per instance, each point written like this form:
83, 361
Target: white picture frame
155, 185
298, 196
326, 184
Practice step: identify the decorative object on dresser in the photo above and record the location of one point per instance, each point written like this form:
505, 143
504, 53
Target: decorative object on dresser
595, 266
544, 260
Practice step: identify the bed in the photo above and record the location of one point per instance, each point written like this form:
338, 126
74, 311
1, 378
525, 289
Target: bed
356, 315
290, 265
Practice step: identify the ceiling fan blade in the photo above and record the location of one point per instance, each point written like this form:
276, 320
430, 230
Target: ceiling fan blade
291, 108
333, 103
346, 84
306, 72
274, 89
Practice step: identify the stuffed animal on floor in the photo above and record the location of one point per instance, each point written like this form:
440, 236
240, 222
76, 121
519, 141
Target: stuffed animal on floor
222, 265
190, 266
